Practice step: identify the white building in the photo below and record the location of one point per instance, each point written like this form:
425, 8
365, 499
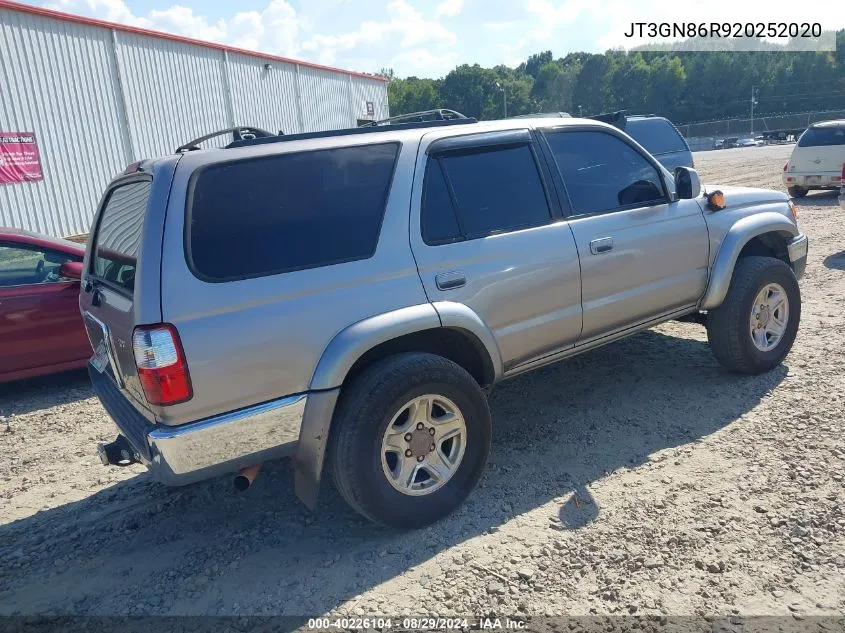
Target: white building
98, 96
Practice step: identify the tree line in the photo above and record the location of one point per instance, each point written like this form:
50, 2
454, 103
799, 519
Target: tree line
684, 86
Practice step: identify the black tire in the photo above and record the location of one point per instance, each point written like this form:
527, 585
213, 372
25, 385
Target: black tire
797, 192
728, 325
365, 409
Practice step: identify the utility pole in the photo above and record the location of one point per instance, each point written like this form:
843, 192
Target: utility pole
505, 95
753, 103
579, 111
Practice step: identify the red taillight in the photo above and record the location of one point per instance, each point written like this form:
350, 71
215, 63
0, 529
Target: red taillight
843, 171
161, 364
785, 165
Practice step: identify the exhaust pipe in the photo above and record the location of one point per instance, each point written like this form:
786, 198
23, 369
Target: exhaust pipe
246, 476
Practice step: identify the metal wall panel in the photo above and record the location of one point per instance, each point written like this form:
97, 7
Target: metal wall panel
98, 96
174, 92
374, 90
265, 98
325, 100
56, 81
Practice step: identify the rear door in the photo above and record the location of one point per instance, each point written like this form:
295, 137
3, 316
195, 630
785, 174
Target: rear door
642, 255
110, 280
486, 232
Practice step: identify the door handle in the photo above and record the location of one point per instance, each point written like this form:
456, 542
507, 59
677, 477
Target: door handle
450, 280
601, 245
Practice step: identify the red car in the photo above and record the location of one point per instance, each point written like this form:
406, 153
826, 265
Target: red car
41, 329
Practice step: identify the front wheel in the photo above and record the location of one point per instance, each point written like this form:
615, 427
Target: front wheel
410, 440
755, 327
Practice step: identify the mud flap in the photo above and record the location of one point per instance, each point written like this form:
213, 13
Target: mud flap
311, 449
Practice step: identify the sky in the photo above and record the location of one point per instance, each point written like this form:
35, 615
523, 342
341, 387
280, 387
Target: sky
427, 38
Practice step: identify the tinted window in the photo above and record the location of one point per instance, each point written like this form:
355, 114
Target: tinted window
602, 173
294, 211
119, 234
497, 190
22, 266
818, 136
439, 224
658, 136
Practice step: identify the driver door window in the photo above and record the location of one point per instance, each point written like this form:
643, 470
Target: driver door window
602, 173
23, 266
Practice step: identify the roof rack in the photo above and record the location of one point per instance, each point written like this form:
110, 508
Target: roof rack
418, 117
543, 115
616, 119
242, 132
369, 129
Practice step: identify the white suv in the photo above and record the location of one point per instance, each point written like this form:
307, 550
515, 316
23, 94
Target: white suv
816, 161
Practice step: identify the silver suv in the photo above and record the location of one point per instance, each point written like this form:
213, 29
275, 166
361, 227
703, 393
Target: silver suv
348, 298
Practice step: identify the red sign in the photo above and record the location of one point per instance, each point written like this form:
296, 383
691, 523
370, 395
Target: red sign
19, 158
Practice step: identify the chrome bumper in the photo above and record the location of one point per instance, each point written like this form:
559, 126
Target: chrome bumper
206, 448
226, 443
797, 249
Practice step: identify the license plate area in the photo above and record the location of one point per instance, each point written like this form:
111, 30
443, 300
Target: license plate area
103, 359
813, 180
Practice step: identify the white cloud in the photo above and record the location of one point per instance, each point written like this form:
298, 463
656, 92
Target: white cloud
275, 29
421, 61
449, 8
406, 26
550, 16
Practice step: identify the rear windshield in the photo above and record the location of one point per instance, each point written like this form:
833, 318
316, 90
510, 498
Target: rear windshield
288, 212
119, 234
658, 136
819, 136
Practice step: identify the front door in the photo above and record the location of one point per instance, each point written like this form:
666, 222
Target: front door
485, 233
642, 255
40, 324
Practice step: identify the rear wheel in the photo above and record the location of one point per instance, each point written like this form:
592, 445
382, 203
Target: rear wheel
797, 192
410, 440
755, 327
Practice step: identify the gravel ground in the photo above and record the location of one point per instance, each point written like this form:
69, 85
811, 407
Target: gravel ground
640, 478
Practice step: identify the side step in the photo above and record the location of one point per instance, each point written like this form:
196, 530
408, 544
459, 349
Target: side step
117, 453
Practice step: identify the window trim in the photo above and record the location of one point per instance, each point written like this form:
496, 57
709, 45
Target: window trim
189, 205
40, 249
570, 213
466, 147
92, 271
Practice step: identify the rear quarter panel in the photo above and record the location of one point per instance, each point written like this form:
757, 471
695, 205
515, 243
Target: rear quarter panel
253, 340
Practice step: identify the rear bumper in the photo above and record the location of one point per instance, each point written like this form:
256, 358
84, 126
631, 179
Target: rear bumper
797, 249
206, 448
816, 180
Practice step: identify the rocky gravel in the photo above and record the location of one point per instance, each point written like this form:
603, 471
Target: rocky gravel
637, 479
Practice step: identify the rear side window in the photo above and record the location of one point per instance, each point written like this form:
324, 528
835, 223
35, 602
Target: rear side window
820, 136
275, 214
119, 234
658, 136
495, 190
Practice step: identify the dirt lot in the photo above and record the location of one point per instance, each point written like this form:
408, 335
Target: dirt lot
640, 478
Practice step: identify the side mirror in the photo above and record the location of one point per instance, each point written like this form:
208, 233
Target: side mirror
687, 184
71, 270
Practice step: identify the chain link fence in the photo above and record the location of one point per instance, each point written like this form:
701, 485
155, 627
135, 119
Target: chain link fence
703, 135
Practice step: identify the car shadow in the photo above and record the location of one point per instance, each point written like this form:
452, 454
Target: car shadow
32, 394
140, 548
818, 199
835, 261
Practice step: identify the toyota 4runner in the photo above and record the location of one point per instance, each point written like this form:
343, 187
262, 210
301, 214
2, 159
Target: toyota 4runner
348, 298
